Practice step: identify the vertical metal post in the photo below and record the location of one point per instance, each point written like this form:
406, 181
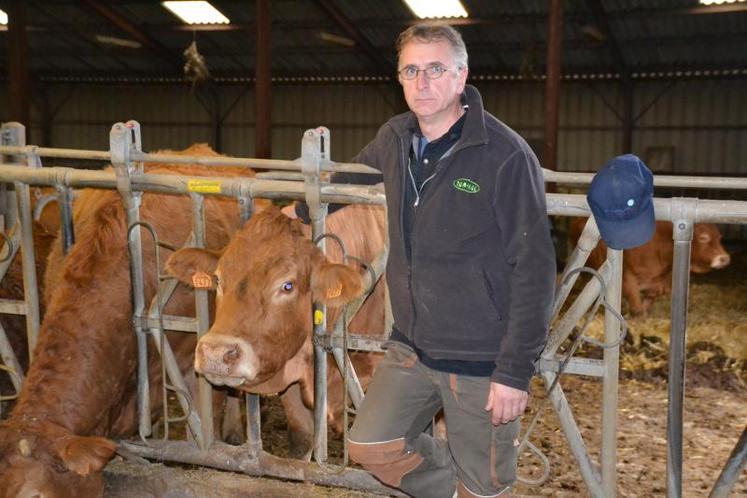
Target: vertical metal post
683, 218
15, 134
612, 329
202, 315
313, 148
730, 472
123, 138
253, 416
65, 202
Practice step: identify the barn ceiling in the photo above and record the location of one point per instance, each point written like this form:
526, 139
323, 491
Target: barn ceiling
353, 39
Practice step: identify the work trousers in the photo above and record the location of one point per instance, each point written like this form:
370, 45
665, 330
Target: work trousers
388, 439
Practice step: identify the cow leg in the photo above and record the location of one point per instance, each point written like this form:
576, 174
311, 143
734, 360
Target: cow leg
300, 423
632, 292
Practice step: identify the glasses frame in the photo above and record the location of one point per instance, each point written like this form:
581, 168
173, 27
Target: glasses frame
400, 72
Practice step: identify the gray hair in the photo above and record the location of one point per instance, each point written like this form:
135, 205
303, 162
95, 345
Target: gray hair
428, 32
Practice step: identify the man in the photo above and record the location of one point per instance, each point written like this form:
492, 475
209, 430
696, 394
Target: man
471, 273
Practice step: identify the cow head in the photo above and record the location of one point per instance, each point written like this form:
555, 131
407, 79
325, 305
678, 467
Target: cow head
266, 280
41, 460
707, 252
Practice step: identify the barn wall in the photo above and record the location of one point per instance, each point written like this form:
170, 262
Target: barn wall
692, 127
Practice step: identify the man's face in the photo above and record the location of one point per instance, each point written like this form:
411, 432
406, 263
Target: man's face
429, 98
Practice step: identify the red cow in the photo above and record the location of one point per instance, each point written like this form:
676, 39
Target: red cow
267, 277
647, 270
81, 387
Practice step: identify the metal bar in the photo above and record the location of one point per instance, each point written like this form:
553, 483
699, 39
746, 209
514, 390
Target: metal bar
586, 243
238, 459
612, 328
253, 414
586, 466
311, 154
682, 226
172, 184
13, 307
563, 327
10, 360
17, 135
202, 316
709, 211
175, 376
65, 202
325, 165
121, 144
576, 366
731, 470
684, 181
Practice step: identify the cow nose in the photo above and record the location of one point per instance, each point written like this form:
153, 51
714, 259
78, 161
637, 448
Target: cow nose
721, 261
219, 355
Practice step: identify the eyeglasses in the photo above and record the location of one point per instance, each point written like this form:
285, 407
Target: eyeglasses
431, 72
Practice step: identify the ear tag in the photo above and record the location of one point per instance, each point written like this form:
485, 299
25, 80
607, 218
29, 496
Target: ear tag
334, 292
318, 317
202, 280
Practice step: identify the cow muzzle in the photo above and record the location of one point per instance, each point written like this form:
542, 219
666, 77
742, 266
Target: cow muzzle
225, 360
720, 261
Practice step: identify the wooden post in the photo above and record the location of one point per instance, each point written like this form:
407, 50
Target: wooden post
552, 86
19, 107
263, 84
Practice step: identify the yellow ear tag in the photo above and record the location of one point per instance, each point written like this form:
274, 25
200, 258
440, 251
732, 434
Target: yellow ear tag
202, 280
334, 292
318, 317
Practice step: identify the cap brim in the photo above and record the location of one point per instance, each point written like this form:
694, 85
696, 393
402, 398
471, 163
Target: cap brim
627, 234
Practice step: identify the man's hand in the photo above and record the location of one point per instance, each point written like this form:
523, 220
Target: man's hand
505, 402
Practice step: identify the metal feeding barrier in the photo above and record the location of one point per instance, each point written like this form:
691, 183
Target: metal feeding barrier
302, 180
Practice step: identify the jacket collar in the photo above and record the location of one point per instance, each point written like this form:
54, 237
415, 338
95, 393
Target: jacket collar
473, 133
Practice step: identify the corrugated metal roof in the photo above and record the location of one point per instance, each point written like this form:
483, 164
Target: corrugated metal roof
504, 37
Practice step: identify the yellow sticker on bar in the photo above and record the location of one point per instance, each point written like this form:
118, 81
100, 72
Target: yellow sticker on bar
318, 317
204, 186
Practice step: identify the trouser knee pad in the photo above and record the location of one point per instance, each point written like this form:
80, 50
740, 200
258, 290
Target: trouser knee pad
389, 461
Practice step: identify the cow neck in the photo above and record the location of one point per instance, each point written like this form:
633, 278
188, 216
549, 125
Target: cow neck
77, 379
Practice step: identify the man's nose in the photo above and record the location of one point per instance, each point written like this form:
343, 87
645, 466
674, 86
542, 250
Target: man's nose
421, 80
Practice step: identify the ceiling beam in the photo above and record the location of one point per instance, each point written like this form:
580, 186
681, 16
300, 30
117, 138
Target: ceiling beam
381, 63
600, 18
128, 27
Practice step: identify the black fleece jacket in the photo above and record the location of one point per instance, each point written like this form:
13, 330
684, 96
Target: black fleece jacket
478, 285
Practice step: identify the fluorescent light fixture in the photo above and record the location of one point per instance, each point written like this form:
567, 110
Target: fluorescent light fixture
719, 2
118, 42
429, 9
196, 12
3, 17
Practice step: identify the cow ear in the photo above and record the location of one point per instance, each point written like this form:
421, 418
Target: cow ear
335, 284
84, 455
186, 264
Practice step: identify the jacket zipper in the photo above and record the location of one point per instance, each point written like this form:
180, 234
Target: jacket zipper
414, 185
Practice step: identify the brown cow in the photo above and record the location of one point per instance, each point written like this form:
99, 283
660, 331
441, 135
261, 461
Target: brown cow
81, 387
647, 270
267, 277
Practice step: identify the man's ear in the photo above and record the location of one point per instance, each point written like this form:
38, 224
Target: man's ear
334, 284
193, 266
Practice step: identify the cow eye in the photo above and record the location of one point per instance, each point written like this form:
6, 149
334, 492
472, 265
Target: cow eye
704, 238
287, 287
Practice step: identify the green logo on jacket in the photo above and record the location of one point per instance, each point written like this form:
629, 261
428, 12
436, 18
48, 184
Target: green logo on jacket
466, 185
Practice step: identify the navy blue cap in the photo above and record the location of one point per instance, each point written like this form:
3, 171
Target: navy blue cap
621, 197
